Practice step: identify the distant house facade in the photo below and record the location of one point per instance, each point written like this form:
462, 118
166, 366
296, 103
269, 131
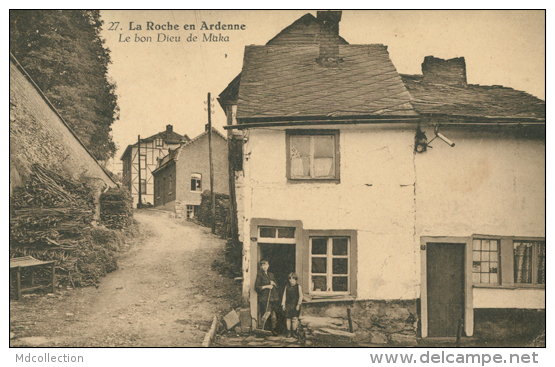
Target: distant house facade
39, 135
150, 150
184, 174
339, 182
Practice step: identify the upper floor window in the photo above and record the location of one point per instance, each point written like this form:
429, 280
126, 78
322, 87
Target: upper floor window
313, 155
529, 262
158, 142
196, 182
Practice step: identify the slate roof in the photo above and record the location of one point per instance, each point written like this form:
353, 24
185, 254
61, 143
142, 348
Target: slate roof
173, 155
303, 31
288, 81
472, 100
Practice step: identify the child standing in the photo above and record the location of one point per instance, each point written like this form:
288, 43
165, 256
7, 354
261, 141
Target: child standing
291, 304
268, 295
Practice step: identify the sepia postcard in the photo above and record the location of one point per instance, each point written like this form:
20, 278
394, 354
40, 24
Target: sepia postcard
361, 179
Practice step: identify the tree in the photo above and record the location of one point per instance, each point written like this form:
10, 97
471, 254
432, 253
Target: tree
64, 54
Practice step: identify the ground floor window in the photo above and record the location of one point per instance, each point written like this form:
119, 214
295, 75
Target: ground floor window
526, 254
485, 261
529, 262
191, 210
329, 264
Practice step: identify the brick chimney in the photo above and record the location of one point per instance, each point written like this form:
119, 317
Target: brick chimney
440, 71
169, 130
329, 34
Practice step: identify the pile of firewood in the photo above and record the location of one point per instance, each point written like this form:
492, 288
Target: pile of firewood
116, 208
51, 219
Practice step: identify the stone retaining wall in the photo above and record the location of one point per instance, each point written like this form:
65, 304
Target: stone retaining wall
374, 322
504, 324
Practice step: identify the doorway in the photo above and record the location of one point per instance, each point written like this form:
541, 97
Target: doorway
281, 257
445, 288
282, 261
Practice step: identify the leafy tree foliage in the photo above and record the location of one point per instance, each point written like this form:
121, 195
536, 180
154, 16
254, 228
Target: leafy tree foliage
63, 52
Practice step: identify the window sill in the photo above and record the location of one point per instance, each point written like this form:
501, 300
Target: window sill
313, 180
320, 299
530, 286
520, 286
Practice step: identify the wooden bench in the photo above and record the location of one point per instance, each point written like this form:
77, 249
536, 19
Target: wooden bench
18, 263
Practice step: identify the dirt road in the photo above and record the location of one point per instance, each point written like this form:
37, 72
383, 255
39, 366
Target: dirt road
164, 294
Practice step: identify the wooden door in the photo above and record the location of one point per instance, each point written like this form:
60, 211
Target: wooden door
445, 288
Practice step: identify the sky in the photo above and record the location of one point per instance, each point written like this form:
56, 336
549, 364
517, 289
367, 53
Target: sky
161, 83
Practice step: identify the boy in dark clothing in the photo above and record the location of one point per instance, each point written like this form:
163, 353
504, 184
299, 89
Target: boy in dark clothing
265, 285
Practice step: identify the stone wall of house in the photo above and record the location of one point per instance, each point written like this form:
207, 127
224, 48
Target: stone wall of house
374, 322
506, 324
38, 135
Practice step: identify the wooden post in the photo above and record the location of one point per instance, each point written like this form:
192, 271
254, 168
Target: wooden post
53, 276
350, 319
140, 183
211, 166
32, 270
18, 283
231, 150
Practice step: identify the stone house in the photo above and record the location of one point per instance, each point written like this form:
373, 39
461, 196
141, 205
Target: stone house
183, 174
39, 134
339, 182
150, 150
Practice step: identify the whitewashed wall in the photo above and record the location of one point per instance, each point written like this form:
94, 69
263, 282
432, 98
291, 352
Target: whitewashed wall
490, 183
375, 197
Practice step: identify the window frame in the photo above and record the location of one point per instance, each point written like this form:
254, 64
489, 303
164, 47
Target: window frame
276, 238
311, 133
190, 209
506, 261
329, 256
199, 180
352, 265
498, 261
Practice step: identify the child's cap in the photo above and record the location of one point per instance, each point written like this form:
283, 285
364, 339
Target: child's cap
264, 262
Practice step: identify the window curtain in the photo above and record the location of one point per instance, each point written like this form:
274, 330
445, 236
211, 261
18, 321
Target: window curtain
300, 156
541, 263
523, 262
